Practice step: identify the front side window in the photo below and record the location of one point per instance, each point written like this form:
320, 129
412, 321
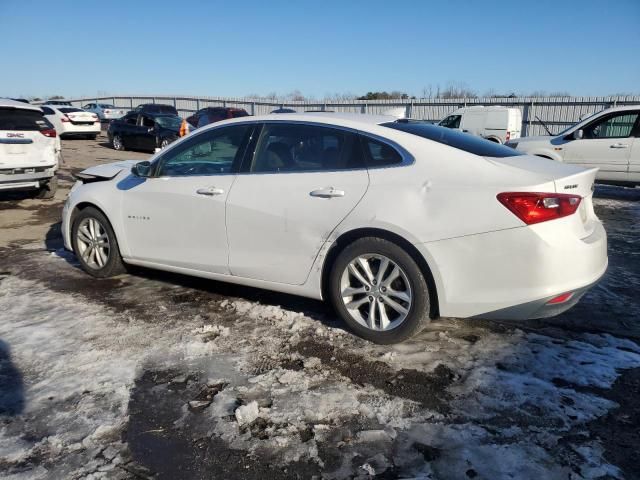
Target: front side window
148, 122
131, 119
452, 121
211, 153
615, 126
285, 147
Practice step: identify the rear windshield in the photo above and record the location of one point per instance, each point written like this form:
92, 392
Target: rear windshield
460, 140
22, 120
160, 109
70, 110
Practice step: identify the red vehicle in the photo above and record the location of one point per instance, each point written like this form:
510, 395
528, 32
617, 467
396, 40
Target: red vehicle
208, 115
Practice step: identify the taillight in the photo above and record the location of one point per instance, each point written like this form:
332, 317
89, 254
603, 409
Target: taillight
560, 298
49, 132
539, 207
65, 119
508, 137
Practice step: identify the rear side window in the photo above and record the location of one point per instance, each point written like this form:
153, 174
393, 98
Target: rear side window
453, 138
238, 113
22, 120
69, 109
300, 148
161, 109
380, 154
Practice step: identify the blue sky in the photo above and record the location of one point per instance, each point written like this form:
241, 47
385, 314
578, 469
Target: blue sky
235, 48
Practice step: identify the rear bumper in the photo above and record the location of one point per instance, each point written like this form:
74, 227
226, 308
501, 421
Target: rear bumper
71, 130
25, 180
514, 273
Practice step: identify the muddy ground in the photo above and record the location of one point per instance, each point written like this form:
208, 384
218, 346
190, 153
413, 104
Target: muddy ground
156, 375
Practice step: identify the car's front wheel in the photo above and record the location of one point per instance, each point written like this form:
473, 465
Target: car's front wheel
95, 244
379, 290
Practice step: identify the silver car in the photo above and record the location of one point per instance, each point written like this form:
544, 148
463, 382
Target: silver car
105, 111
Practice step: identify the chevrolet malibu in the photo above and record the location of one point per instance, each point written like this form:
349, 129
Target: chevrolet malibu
394, 222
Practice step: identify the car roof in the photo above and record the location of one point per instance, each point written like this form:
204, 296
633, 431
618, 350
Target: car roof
345, 119
7, 102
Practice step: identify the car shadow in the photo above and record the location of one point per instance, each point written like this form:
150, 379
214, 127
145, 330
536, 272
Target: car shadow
11, 384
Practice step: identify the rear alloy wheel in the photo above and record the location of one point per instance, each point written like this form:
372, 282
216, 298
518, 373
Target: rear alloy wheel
379, 290
117, 143
95, 244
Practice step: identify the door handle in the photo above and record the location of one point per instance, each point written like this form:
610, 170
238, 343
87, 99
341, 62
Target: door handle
620, 145
327, 192
210, 191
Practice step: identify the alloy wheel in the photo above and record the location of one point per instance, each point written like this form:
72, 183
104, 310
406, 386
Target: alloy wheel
93, 243
376, 292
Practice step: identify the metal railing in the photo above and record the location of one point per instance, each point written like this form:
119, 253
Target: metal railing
557, 113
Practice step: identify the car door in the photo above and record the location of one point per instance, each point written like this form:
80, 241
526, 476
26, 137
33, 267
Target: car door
126, 128
300, 183
176, 217
606, 144
146, 133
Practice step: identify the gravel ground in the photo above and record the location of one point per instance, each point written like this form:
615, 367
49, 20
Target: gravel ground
156, 375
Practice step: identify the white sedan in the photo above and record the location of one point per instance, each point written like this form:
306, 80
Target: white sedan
608, 140
72, 121
393, 221
105, 111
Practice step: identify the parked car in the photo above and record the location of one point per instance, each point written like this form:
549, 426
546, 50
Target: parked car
58, 102
144, 131
156, 108
208, 115
284, 110
394, 222
496, 123
72, 122
608, 140
29, 149
105, 111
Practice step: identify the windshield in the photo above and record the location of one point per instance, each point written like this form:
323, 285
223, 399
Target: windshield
70, 110
453, 138
579, 121
169, 121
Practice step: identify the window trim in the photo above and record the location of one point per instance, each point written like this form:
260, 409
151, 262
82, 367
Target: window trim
407, 158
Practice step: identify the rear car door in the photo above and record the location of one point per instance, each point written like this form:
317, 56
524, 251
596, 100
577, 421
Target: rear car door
146, 133
177, 217
301, 182
607, 144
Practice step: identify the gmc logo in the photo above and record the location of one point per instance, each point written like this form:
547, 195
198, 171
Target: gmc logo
15, 135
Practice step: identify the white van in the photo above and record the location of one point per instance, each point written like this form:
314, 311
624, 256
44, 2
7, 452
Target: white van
496, 123
29, 149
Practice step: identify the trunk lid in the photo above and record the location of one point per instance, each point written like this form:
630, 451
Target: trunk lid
25, 149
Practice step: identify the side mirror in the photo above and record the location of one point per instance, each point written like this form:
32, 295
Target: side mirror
578, 134
141, 169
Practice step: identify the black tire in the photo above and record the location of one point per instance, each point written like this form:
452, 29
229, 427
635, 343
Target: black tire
48, 190
118, 143
114, 265
418, 310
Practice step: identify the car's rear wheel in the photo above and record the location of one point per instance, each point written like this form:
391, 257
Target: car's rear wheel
95, 244
379, 290
49, 189
117, 143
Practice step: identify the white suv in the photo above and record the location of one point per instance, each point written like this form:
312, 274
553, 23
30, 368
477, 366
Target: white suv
607, 140
29, 149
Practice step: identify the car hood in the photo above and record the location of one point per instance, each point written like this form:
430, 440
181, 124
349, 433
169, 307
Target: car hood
108, 170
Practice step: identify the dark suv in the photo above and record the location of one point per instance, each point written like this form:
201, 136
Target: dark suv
156, 108
208, 115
